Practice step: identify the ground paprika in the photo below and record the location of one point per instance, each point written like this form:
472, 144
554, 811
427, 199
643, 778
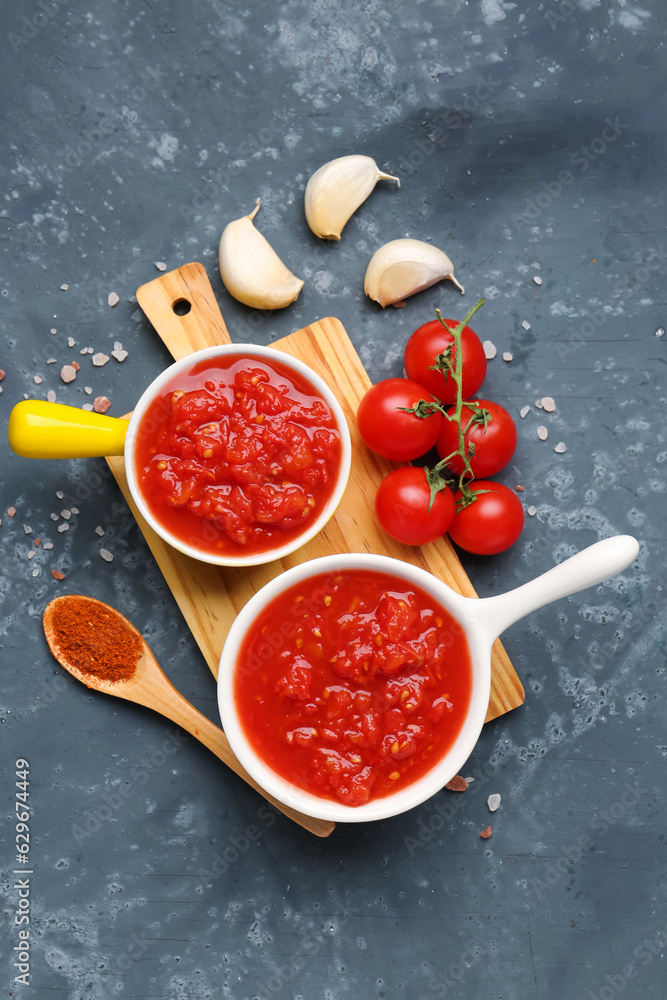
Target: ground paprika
92, 637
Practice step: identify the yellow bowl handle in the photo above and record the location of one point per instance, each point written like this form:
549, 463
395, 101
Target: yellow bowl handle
38, 429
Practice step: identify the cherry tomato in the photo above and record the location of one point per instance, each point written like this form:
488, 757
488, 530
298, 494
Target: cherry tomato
494, 444
391, 432
402, 503
427, 343
491, 523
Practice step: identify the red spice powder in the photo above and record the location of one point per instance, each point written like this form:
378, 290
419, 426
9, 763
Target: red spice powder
94, 639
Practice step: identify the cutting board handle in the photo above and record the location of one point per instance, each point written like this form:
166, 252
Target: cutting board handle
183, 308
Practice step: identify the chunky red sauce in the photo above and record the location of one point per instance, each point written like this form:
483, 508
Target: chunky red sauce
238, 454
353, 686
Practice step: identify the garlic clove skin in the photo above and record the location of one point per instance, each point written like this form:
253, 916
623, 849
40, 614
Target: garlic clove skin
404, 267
337, 189
251, 270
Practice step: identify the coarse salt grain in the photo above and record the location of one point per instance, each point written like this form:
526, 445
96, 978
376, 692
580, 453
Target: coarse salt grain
537, 279
87, 406
525, 324
101, 404
88, 390
11, 511
507, 356
64, 288
71, 342
60, 494
119, 354
525, 410
457, 784
27, 529
68, 373
66, 514
160, 265
2, 374
57, 575
532, 511
63, 527
99, 530
31, 554
51, 361
560, 448
520, 489
112, 299
100, 359
493, 802
106, 555
542, 432
53, 330
548, 404
486, 833
490, 349
54, 517
660, 332
37, 379
74, 510
47, 545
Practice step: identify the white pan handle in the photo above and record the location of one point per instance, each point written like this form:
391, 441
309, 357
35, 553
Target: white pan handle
587, 568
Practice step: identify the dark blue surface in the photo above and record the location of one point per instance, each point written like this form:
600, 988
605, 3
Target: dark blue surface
529, 140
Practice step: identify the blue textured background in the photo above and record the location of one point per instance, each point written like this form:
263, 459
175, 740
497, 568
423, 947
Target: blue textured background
530, 140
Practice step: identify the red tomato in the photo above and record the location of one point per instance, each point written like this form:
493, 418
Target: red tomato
402, 502
391, 432
427, 343
494, 444
491, 523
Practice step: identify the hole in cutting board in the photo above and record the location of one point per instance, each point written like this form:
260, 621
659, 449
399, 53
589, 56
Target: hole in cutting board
181, 307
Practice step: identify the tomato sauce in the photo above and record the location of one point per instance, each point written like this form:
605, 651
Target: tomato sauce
237, 454
352, 686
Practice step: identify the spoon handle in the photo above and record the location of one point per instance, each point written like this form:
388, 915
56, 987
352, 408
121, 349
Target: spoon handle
175, 707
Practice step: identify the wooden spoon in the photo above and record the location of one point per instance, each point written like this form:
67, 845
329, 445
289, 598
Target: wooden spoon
148, 686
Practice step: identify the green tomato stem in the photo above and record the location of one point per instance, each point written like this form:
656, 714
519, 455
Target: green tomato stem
456, 372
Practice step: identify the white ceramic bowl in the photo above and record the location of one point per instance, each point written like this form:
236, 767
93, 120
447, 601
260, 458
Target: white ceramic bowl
482, 620
268, 354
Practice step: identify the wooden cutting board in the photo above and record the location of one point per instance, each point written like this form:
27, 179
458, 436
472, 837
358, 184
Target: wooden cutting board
183, 309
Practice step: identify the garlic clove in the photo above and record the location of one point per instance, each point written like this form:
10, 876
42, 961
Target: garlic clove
404, 267
250, 268
337, 189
